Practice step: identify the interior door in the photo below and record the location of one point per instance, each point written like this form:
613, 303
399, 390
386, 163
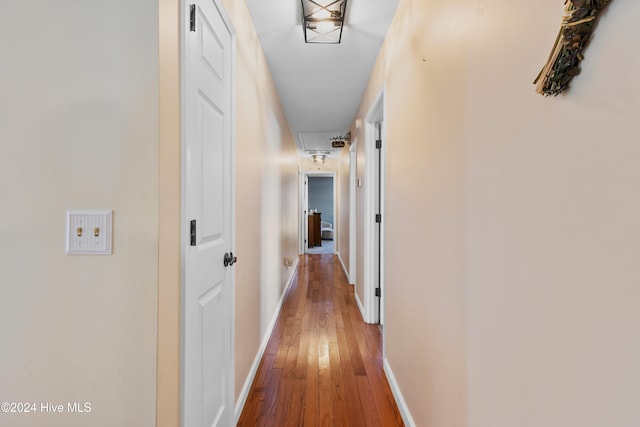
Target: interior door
207, 196
378, 228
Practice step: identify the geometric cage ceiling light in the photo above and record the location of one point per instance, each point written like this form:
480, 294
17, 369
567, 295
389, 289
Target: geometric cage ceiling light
322, 20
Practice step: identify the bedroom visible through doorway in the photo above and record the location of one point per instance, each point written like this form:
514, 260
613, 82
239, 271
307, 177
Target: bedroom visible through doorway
320, 214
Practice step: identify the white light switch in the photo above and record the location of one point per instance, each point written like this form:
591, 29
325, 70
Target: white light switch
89, 232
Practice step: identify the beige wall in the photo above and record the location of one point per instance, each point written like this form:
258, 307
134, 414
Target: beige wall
78, 129
342, 198
512, 219
424, 213
553, 231
169, 315
85, 89
266, 194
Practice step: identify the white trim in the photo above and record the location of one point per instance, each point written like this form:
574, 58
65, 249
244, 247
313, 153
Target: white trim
234, 80
246, 388
353, 188
368, 226
355, 294
183, 227
303, 208
336, 220
397, 394
383, 183
346, 273
376, 114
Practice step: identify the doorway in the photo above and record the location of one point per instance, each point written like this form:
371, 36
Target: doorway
318, 213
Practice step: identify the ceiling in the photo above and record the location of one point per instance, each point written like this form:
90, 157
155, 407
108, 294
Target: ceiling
320, 86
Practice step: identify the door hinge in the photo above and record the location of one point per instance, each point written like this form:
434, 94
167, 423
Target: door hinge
192, 17
378, 144
377, 292
379, 218
192, 232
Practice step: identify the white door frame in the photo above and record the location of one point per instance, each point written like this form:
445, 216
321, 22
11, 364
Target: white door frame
373, 312
353, 157
185, 231
303, 223
304, 206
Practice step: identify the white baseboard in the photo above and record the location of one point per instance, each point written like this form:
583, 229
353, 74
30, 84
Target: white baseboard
397, 394
244, 394
360, 306
346, 272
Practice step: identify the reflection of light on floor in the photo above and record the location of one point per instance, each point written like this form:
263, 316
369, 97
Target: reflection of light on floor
323, 353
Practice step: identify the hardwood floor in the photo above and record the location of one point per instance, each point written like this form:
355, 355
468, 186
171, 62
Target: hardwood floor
323, 364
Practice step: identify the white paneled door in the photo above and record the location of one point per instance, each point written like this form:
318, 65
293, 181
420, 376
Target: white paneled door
207, 205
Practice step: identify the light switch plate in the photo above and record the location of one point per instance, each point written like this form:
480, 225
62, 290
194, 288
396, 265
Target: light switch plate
89, 232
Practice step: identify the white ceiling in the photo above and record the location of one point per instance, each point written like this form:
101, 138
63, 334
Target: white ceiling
320, 86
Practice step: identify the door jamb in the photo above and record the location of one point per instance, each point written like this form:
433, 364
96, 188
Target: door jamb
352, 210
303, 194
303, 208
376, 114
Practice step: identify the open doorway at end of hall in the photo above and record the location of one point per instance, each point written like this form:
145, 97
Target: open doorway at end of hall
319, 214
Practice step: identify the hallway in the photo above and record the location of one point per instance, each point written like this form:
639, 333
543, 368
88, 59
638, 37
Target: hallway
323, 364
511, 220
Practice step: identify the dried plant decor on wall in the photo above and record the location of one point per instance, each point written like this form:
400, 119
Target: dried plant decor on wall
578, 23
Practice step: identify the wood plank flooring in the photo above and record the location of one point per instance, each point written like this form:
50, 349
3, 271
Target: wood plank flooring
323, 364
